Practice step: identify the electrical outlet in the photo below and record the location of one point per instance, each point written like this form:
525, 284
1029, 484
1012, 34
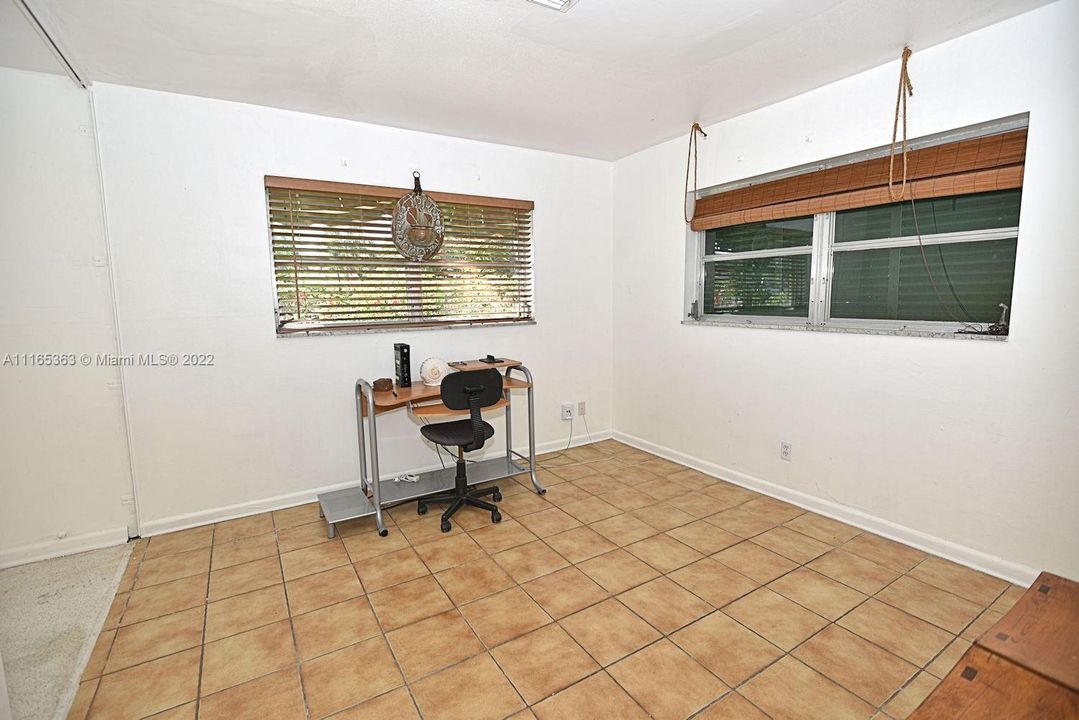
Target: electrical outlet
580, 408
785, 450
567, 411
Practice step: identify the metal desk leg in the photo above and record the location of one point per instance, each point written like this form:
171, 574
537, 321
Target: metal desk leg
360, 393
364, 391
509, 424
532, 434
373, 483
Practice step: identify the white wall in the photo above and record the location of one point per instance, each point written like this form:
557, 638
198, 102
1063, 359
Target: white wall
274, 419
975, 443
63, 456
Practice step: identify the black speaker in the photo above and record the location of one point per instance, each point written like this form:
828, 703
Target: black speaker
402, 363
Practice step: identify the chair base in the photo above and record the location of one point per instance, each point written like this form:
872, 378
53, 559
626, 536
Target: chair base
461, 497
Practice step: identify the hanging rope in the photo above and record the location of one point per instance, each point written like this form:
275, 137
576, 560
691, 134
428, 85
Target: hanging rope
691, 155
906, 89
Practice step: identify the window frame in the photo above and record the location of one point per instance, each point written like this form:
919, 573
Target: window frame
303, 184
823, 250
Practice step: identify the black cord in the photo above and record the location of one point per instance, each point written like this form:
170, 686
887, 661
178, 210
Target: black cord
439, 450
951, 287
568, 441
929, 274
944, 266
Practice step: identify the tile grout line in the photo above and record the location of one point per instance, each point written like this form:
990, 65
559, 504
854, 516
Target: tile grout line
205, 621
298, 665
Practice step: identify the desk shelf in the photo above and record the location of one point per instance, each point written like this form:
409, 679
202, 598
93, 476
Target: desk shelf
440, 410
387, 400
350, 503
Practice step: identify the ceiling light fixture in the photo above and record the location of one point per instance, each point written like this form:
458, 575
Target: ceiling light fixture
559, 5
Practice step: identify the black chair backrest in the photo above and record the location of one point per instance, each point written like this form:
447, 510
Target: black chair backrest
472, 390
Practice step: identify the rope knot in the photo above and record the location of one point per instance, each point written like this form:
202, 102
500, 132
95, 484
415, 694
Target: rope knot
904, 76
691, 156
900, 105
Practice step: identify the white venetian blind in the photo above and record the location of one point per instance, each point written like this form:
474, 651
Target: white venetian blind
336, 267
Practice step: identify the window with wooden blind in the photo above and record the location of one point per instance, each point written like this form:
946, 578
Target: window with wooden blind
336, 268
826, 247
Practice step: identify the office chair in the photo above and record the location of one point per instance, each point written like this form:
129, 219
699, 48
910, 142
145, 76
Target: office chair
471, 390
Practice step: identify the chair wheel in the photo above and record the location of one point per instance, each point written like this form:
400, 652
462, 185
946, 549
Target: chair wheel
496, 516
421, 508
496, 496
383, 533
446, 526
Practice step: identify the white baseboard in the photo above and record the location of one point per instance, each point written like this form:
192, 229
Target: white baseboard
32, 552
279, 502
998, 567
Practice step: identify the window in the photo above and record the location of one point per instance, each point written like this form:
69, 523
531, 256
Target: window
827, 249
336, 267
759, 269
961, 272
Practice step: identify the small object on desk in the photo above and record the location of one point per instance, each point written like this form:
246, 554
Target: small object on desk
432, 370
402, 363
490, 359
406, 477
382, 385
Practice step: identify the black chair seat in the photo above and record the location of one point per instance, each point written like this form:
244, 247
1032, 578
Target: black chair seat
458, 432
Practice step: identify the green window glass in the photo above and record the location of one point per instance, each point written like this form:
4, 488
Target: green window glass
960, 213
796, 232
764, 284
775, 286
966, 282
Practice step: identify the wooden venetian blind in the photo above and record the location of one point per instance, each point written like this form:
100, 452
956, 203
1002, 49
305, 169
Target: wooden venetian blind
336, 267
993, 162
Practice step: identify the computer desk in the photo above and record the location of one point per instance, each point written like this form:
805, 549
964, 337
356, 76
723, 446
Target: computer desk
422, 401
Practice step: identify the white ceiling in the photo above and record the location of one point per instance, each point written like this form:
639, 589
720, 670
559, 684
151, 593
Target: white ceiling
606, 79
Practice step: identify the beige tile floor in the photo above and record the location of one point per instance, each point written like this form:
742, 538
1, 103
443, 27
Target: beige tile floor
635, 588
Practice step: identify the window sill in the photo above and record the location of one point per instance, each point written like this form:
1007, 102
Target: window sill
856, 330
400, 328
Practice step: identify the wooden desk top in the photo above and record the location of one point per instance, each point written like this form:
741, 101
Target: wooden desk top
985, 686
1041, 632
418, 392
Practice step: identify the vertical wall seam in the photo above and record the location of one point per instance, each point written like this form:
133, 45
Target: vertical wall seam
110, 265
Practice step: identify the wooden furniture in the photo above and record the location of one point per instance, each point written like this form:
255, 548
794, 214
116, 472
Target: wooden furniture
986, 685
374, 494
1042, 631
1025, 666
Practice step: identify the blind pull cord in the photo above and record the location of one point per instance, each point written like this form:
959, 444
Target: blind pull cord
906, 89
691, 154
